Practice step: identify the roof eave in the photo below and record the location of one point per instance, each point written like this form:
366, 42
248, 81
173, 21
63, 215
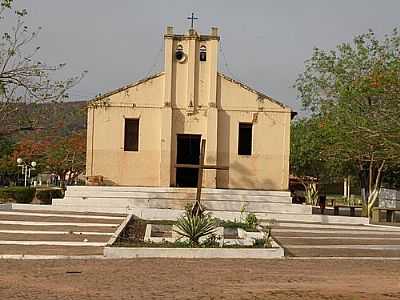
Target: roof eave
123, 88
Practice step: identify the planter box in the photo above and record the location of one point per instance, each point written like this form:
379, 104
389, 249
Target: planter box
258, 253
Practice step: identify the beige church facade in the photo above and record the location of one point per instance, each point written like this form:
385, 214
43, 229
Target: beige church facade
138, 133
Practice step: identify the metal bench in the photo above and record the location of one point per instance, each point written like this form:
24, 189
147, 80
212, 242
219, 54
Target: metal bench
352, 208
390, 214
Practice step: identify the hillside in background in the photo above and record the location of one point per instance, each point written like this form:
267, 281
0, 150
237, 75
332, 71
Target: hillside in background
60, 118
52, 134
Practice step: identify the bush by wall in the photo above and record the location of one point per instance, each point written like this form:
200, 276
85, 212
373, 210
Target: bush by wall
45, 196
17, 194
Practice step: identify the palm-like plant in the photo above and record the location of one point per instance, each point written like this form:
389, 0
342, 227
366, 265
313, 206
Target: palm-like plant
195, 226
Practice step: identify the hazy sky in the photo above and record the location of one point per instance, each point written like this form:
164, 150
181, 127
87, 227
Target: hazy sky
265, 43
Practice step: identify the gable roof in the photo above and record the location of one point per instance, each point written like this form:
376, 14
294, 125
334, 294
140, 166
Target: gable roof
125, 87
259, 94
241, 84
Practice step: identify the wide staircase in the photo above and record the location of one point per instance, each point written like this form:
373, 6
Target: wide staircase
171, 201
301, 239
25, 234
168, 203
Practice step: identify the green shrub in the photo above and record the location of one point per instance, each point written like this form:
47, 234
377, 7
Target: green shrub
5, 195
236, 224
46, 196
251, 220
17, 194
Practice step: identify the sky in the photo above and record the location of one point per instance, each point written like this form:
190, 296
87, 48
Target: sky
264, 43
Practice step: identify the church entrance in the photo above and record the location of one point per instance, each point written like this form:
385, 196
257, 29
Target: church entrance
188, 152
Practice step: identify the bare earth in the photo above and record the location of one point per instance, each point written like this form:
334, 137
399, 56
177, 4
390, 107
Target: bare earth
199, 279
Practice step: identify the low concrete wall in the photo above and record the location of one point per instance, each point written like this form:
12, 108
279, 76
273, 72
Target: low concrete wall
266, 253
212, 205
143, 252
119, 230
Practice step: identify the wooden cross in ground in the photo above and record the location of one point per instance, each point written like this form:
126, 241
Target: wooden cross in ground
201, 166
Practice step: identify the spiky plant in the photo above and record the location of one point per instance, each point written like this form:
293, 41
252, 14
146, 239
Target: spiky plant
195, 226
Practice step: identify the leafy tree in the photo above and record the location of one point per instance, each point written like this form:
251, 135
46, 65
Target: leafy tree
64, 156
354, 91
309, 143
23, 79
308, 158
7, 167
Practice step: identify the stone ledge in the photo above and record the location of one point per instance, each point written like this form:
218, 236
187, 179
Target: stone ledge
120, 228
6, 206
73, 189
253, 253
212, 205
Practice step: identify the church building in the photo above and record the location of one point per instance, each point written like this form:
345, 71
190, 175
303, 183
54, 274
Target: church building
137, 134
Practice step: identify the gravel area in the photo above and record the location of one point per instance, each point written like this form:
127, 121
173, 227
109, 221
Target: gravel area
199, 279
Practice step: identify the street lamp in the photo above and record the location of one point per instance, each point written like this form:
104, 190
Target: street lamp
26, 168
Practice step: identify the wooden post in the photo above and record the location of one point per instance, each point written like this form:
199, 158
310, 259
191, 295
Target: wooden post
196, 209
200, 172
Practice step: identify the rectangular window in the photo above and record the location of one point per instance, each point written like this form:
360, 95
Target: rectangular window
131, 139
245, 138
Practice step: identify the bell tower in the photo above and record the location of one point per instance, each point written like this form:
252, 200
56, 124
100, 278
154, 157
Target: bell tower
190, 67
190, 96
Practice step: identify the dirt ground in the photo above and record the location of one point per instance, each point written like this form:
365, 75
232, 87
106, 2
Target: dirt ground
199, 279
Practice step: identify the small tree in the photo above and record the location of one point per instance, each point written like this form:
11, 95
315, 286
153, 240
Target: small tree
64, 156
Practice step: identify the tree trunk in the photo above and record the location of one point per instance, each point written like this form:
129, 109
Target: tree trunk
373, 196
363, 175
370, 176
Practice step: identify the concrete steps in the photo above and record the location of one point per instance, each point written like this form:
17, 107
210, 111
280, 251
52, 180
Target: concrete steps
180, 204
333, 240
178, 196
168, 204
122, 199
48, 233
115, 189
126, 193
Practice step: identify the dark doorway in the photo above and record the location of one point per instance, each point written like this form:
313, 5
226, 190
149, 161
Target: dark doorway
187, 152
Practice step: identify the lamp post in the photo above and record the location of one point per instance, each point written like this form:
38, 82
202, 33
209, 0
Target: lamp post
26, 169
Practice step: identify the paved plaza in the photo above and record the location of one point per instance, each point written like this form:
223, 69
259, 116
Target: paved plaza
199, 279
323, 262
32, 233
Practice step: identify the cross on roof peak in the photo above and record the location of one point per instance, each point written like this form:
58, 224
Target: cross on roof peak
192, 18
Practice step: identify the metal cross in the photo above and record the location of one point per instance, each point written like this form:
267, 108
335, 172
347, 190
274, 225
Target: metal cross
192, 18
201, 166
